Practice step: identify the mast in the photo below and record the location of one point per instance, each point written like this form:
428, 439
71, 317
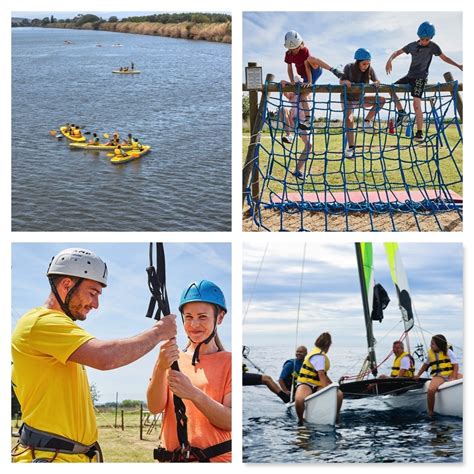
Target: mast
364, 255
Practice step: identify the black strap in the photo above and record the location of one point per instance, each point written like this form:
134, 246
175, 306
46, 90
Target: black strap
192, 454
65, 304
159, 298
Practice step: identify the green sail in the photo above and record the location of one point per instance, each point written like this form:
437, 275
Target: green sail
400, 281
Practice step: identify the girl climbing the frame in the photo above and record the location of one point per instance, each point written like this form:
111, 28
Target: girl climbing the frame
359, 72
204, 381
308, 67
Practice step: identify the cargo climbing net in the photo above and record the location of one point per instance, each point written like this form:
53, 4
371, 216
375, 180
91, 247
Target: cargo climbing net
392, 182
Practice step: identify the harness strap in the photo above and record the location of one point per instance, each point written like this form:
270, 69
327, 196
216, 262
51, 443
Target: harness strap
159, 299
192, 454
44, 441
65, 304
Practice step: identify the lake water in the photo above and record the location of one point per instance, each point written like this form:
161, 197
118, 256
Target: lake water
368, 431
180, 105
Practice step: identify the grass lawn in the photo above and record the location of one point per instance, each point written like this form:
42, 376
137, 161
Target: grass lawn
382, 161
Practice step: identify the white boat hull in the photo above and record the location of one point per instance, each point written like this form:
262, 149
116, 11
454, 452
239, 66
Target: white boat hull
448, 401
321, 407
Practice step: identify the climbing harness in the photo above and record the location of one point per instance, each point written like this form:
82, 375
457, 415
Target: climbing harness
34, 439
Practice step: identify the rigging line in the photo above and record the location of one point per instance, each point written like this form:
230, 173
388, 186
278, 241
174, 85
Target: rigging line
254, 284
298, 315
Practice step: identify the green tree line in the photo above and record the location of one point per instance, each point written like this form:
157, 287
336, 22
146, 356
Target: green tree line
157, 18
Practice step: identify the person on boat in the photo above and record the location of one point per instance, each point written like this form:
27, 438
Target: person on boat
251, 378
403, 364
313, 374
95, 140
203, 382
115, 140
119, 151
121, 68
128, 140
50, 352
290, 371
443, 365
132, 66
76, 132
136, 145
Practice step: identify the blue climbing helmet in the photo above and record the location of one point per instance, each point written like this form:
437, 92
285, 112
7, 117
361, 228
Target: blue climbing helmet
362, 54
205, 291
426, 30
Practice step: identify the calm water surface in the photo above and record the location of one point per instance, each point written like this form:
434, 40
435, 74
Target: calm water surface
180, 105
367, 432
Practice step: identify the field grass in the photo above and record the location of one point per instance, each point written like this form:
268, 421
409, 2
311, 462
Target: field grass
404, 163
118, 445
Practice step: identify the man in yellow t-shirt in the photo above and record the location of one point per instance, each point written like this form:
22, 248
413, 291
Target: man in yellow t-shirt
50, 352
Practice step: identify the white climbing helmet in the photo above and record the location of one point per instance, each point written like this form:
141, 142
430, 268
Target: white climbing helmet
293, 40
80, 263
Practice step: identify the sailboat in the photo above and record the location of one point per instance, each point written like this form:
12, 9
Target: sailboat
397, 392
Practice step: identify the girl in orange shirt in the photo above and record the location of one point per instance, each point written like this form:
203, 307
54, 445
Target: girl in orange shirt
204, 383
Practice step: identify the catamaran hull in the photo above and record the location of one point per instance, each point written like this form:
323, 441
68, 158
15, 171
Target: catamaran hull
321, 407
448, 401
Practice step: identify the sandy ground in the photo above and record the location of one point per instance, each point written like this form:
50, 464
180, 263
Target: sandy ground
275, 221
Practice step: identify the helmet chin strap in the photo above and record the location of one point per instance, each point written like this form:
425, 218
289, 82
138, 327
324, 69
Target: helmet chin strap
206, 341
65, 304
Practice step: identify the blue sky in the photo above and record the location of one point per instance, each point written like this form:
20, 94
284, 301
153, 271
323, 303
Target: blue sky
331, 300
125, 300
334, 36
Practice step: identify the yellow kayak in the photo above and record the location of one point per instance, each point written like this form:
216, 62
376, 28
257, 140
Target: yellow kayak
70, 137
130, 156
99, 147
133, 71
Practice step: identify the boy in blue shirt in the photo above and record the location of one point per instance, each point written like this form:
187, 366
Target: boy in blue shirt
422, 52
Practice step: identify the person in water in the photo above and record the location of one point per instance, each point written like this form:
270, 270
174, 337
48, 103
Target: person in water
443, 365
314, 375
250, 378
203, 382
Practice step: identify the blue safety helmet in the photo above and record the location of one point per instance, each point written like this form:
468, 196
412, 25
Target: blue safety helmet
426, 30
362, 54
204, 291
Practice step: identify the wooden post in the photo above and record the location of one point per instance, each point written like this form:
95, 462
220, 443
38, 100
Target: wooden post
122, 420
448, 77
141, 421
255, 127
116, 409
253, 102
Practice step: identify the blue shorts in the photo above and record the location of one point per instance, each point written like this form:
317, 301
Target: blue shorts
315, 74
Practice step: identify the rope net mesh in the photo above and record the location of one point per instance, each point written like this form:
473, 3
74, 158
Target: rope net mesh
392, 182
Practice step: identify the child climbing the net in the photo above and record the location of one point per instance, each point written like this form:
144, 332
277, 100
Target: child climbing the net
289, 114
422, 52
308, 67
359, 72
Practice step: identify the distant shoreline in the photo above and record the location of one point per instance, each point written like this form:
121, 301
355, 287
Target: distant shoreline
215, 32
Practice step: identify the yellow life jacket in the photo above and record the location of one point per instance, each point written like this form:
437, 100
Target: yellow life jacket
396, 366
308, 374
77, 133
440, 364
118, 151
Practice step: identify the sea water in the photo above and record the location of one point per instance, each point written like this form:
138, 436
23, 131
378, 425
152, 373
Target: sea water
180, 104
368, 431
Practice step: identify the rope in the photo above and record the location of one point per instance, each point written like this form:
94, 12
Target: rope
401, 175
298, 318
255, 284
